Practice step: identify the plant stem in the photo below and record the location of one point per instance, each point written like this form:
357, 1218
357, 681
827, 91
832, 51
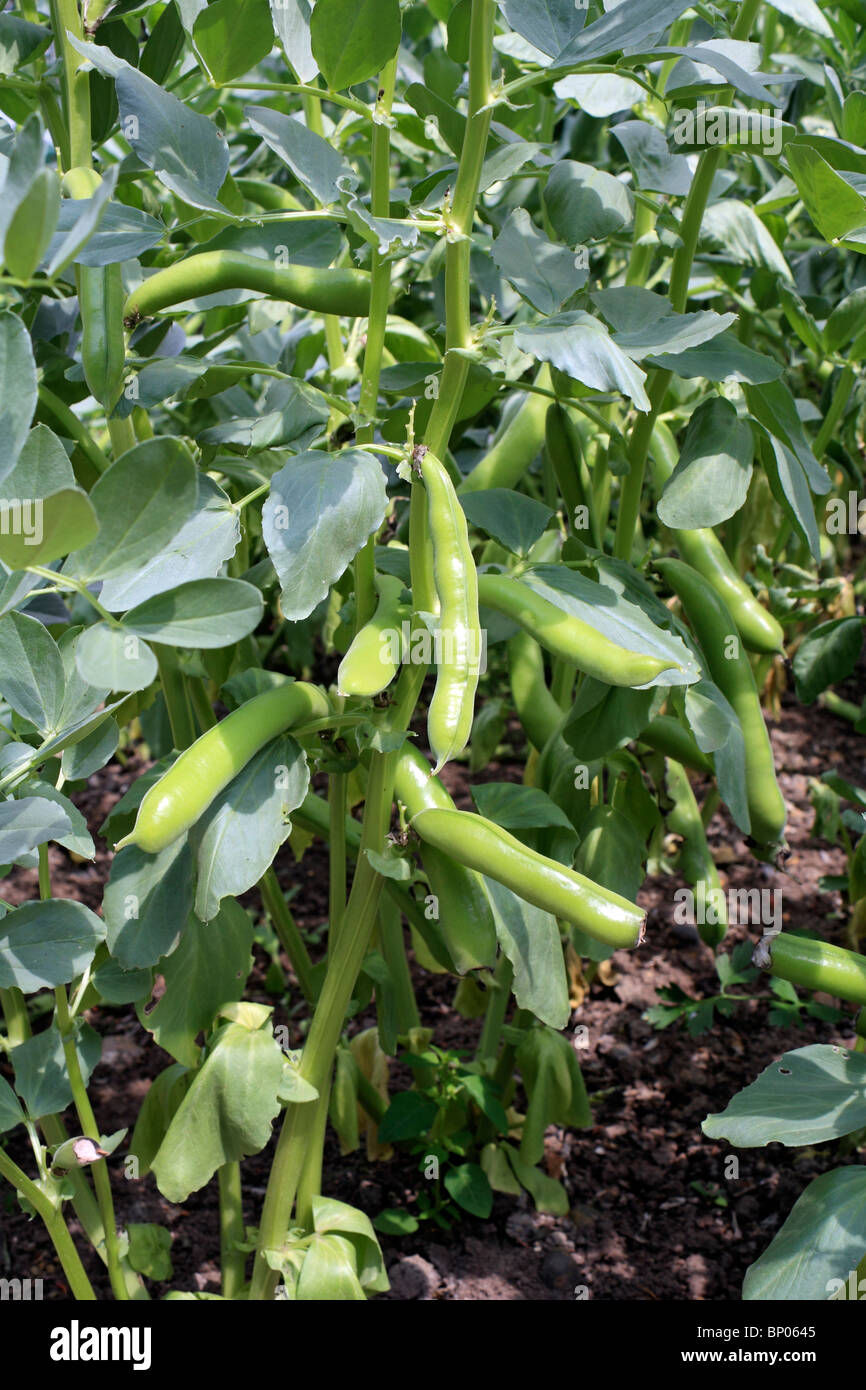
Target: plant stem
70, 1260
377, 322
310, 1184
176, 696
337, 810
301, 1121
678, 293
75, 86
68, 424
232, 1260
87, 1120
287, 931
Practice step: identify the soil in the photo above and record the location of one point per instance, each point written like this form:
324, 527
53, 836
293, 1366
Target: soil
658, 1211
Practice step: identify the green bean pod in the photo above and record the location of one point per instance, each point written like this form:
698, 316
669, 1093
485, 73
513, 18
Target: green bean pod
516, 445
479, 844
715, 627
536, 708
373, 659
572, 474
464, 915
696, 861
100, 303
703, 550
567, 636
336, 291
667, 735
103, 350
813, 964
182, 795
449, 719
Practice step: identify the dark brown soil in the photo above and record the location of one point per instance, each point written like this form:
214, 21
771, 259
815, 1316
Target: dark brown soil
658, 1211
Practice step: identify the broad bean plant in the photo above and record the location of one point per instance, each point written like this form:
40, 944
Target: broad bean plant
385, 385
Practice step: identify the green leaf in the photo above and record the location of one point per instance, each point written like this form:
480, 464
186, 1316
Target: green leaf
819, 1245
470, 1189
233, 36
158, 1108
547, 24
41, 1074
619, 619
313, 160
833, 205
48, 529
723, 359
711, 479
203, 613
20, 42
44, 944
394, 1222
292, 23
809, 1096
410, 1115
147, 902
27, 823
239, 835
581, 347
827, 655
141, 503
197, 551
186, 150
739, 231
32, 225
150, 1249
585, 204
43, 466
31, 670
655, 169
227, 1113
92, 753
321, 509
17, 389
328, 1272
115, 657
625, 26
353, 39
547, 1194
540, 271
530, 939
207, 970
513, 519
612, 852
11, 1113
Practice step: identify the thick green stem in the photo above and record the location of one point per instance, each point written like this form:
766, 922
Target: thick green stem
75, 84
301, 1121
89, 1127
177, 703
232, 1260
337, 810
287, 932
310, 1184
377, 322
69, 425
70, 1260
678, 292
